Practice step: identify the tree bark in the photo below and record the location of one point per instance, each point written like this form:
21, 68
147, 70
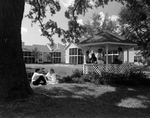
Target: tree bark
13, 78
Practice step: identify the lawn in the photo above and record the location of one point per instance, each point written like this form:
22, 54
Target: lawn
81, 101
60, 69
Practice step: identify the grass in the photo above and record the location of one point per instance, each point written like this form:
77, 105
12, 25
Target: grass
81, 101
60, 69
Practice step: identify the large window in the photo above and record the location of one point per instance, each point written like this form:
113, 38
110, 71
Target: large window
73, 51
75, 56
56, 57
112, 54
28, 57
25, 53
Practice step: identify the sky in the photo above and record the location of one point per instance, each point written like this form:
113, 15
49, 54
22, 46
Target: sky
32, 35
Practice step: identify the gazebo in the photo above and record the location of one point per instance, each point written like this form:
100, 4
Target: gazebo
107, 41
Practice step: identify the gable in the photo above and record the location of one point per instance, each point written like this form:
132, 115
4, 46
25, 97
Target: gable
72, 45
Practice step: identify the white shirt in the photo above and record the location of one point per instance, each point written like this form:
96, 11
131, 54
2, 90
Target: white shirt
35, 76
99, 56
120, 57
51, 78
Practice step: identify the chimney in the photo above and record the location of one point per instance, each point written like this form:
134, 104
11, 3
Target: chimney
57, 45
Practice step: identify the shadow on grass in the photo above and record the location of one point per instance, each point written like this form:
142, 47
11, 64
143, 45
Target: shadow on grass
81, 101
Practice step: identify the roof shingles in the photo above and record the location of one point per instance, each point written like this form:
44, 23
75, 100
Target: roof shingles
106, 37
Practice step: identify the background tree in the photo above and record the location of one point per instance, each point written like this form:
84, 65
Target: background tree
135, 25
99, 23
35, 52
49, 57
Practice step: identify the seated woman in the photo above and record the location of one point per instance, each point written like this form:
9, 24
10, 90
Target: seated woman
38, 78
51, 77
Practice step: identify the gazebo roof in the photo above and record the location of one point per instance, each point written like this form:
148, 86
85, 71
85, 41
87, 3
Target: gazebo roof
106, 37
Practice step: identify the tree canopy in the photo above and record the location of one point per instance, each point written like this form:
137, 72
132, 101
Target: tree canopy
39, 8
99, 22
135, 23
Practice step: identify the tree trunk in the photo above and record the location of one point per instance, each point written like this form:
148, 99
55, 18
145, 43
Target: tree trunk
13, 78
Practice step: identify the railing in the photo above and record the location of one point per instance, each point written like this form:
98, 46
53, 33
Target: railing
110, 68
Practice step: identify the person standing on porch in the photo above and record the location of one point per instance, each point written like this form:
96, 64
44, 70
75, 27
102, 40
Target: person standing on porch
87, 57
100, 56
120, 57
92, 57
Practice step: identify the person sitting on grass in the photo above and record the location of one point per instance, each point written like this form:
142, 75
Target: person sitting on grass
38, 78
51, 77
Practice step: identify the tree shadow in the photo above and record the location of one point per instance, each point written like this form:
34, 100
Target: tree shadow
132, 102
76, 101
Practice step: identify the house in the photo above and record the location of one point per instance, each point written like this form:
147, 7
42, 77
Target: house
46, 53
73, 54
28, 56
57, 53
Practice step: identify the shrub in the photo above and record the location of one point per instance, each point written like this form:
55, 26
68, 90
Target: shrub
77, 73
66, 79
92, 77
131, 78
137, 78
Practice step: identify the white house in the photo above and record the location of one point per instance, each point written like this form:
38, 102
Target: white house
57, 52
73, 54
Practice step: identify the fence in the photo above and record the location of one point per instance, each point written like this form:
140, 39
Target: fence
112, 68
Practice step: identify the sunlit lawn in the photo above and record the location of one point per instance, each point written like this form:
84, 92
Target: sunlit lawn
81, 101
60, 69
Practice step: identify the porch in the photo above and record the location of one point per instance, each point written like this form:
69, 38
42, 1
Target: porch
108, 42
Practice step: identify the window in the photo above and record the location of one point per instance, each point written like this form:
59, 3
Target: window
73, 60
56, 57
137, 58
114, 51
80, 52
75, 56
40, 60
110, 52
80, 59
73, 51
28, 57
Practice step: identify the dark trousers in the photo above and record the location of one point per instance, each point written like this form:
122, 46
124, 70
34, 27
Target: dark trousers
40, 80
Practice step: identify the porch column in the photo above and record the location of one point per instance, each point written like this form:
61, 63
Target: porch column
107, 57
127, 54
84, 57
85, 69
